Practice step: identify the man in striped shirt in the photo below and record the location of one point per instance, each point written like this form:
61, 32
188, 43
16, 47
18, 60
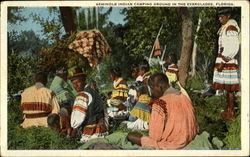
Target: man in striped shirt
88, 110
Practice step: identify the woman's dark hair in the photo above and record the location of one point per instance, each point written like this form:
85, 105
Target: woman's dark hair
144, 65
116, 72
224, 11
41, 77
141, 88
53, 119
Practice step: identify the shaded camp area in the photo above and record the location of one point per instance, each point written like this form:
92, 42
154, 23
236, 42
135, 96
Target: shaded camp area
87, 37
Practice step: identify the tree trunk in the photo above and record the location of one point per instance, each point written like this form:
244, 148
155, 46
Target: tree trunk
67, 19
194, 53
187, 40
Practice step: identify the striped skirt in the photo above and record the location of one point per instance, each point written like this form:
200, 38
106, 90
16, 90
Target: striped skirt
227, 79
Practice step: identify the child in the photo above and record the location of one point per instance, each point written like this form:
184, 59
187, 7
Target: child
144, 72
172, 69
132, 96
134, 71
172, 73
120, 89
61, 124
140, 114
119, 95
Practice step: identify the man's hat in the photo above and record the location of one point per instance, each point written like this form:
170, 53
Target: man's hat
78, 74
224, 11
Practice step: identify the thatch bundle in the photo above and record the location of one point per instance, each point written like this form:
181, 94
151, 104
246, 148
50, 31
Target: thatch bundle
92, 45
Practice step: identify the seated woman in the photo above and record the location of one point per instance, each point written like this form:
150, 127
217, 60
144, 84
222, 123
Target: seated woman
140, 114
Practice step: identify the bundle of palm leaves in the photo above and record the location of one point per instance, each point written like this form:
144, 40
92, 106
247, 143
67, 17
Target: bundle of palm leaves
92, 45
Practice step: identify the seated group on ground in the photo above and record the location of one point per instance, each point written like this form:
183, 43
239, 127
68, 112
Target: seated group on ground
156, 103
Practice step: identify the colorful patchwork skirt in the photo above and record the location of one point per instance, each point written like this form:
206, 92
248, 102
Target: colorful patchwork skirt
227, 79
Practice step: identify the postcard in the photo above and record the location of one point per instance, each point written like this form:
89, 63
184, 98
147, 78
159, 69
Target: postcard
125, 78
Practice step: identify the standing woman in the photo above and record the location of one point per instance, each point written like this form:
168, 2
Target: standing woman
226, 66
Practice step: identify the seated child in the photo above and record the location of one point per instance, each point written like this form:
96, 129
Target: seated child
144, 72
61, 124
172, 74
140, 114
119, 94
132, 96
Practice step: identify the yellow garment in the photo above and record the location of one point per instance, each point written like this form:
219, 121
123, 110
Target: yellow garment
120, 90
144, 98
141, 114
183, 91
141, 110
172, 77
38, 94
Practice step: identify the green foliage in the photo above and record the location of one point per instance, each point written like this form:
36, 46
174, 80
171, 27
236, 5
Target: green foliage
14, 15
208, 111
26, 43
38, 138
207, 40
233, 138
155, 69
119, 56
32, 138
142, 29
20, 72
59, 54
52, 28
208, 115
196, 82
207, 35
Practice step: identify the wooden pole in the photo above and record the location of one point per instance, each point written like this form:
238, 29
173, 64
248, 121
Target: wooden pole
162, 57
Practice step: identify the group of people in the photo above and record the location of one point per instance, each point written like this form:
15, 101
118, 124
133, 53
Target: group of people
150, 103
158, 104
154, 102
68, 107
